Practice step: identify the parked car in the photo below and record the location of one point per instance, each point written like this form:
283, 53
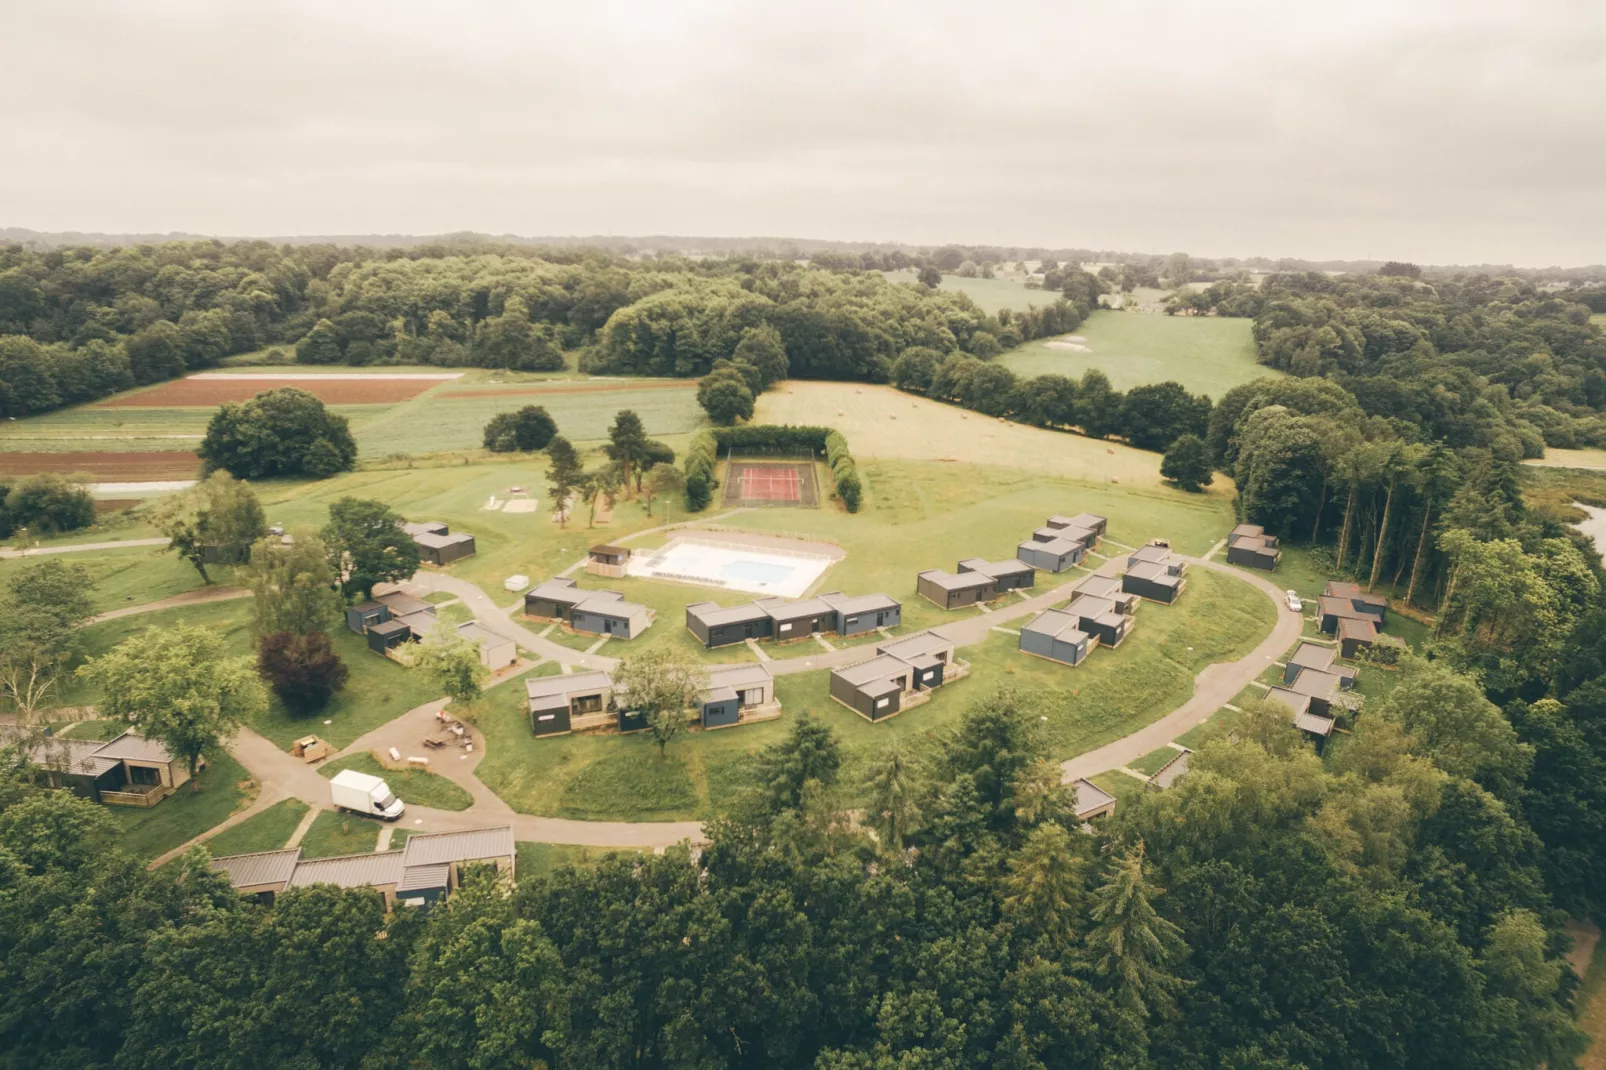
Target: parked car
363, 794
1295, 603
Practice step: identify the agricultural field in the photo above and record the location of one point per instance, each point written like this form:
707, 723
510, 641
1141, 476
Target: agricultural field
1114, 693
1206, 354
990, 295
881, 421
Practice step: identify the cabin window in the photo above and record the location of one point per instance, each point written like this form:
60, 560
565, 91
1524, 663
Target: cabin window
139, 774
882, 703
547, 717
751, 697
786, 627
587, 704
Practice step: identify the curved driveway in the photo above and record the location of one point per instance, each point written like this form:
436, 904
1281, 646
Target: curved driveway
282, 776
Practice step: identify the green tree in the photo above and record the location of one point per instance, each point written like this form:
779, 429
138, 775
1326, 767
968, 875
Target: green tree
1098, 405
1132, 945
155, 353
763, 348
454, 663
215, 522
1045, 887
894, 806
810, 754
598, 487
294, 586
665, 481
283, 432
725, 396
47, 504
662, 686
179, 687
321, 345
367, 546
527, 429
1155, 415
628, 446
1186, 464
565, 475
929, 276
40, 609
1456, 726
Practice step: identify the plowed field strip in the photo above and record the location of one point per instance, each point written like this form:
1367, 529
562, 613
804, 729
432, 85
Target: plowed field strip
580, 388
204, 393
105, 467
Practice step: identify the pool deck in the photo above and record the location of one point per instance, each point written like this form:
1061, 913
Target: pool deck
729, 564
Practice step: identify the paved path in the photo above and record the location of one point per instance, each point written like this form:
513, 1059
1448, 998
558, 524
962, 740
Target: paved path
188, 598
82, 547
1213, 688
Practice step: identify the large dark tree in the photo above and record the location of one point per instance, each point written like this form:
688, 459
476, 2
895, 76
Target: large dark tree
303, 670
367, 546
283, 432
527, 429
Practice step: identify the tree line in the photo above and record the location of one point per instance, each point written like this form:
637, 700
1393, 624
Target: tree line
1268, 910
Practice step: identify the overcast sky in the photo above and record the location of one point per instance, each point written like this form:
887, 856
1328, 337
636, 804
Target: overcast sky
1450, 132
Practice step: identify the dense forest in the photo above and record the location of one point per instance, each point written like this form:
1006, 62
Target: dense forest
1385, 909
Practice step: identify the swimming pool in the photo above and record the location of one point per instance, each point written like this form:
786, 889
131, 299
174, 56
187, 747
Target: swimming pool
764, 572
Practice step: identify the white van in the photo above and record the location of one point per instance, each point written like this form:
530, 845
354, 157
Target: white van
364, 794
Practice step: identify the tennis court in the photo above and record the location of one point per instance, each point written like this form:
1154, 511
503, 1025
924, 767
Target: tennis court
753, 483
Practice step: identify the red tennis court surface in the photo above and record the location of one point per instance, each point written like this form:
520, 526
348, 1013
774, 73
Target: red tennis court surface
771, 484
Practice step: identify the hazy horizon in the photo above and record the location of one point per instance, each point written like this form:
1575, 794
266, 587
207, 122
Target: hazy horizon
1444, 133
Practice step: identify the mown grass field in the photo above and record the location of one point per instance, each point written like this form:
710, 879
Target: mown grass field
378, 690
267, 831
335, 833
990, 295
883, 422
149, 831
126, 577
1206, 354
1112, 694
419, 787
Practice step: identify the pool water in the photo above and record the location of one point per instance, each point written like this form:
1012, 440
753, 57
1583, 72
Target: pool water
755, 571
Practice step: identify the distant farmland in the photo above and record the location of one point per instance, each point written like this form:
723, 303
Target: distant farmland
1206, 354
105, 466
990, 295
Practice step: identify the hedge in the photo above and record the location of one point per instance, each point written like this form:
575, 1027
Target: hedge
703, 452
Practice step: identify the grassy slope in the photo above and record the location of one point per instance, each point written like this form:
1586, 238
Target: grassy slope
539, 859
128, 577
1115, 692
148, 831
990, 295
419, 787
377, 691
267, 831
1206, 354
339, 834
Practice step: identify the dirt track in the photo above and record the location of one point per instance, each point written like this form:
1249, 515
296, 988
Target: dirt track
105, 466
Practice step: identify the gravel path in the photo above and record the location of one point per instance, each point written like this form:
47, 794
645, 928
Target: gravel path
81, 547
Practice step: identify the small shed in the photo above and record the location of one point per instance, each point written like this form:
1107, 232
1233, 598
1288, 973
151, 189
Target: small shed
1010, 575
607, 560
382, 638
955, 591
444, 549
1155, 581
1091, 800
496, 652
1058, 636
1099, 618
714, 625
734, 692
361, 617
857, 614
554, 598
607, 613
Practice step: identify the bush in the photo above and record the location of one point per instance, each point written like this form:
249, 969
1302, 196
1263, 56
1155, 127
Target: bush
283, 432
303, 670
527, 429
46, 504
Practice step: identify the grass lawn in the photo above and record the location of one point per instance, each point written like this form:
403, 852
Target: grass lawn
990, 295
539, 859
1206, 354
1152, 762
335, 833
418, 787
378, 690
185, 814
128, 577
101, 730
1120, 785
1115, 692
1206, 730
453, 416
267, 831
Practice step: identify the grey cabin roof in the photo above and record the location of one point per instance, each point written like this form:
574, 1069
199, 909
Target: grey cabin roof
1086, 521
1295, 701
913, 646
402, 604
714, 616
1089, 797
1315, 683
349, 871
781, 609
424, 878
1101, 587
439, 542
262, 867
995, 568
1247, 530
846, 604
567, 684
956, 581
1153, 572
1356, 628
1314, 723
475, 632
1150, 554
1171, 771
134, 748
1056, 546
868, 675
738, 675
1310, 655
608, 604
1057, 623
1091, 607
424, 527
559, 589
1352, 591
428, 848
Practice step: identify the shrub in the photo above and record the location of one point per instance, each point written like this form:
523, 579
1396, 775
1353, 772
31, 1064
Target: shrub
46, 504
303, 670
527, 429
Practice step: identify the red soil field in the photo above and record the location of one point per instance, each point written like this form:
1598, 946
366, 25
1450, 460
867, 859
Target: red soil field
204, 393
105, 467
570, 388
